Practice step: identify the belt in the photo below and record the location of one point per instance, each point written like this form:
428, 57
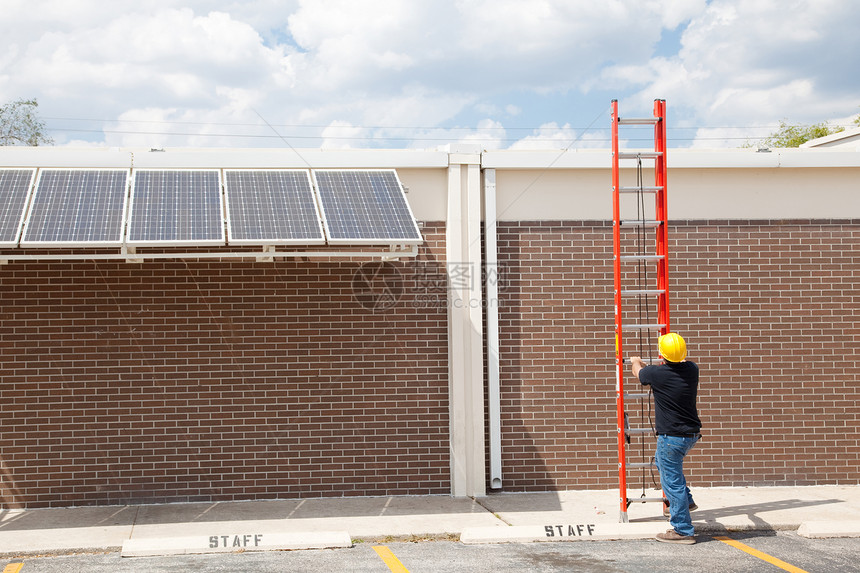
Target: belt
696, 435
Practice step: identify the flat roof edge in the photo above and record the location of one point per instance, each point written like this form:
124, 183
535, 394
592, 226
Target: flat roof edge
282, 158
677, 159
240, 158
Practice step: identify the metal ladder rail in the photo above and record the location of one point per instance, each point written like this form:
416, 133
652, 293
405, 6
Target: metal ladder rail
660, 258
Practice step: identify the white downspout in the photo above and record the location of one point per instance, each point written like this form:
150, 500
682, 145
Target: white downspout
492, 285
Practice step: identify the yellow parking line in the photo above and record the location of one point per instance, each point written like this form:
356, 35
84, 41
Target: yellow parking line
13, 568
388, 557
763, 556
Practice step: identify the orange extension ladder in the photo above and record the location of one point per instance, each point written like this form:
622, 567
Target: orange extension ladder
632, 263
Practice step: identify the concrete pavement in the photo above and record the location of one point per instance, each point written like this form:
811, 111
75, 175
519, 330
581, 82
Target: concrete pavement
821, 511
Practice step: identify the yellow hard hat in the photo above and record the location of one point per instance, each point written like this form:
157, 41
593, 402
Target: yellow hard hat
672, 347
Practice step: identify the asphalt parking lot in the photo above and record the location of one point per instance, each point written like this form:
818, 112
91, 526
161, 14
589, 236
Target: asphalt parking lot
750, 552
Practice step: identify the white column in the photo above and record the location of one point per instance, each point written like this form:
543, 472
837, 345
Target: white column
465, 323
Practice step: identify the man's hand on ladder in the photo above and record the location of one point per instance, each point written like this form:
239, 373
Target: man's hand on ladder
636, 364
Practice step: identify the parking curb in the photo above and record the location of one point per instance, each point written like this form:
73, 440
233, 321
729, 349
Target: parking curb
825, 529
227, 542
561, 532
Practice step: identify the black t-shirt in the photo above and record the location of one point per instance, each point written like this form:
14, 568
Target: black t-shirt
674, 385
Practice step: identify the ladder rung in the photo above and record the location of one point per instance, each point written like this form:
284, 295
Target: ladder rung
638, 430
646, 360
645, 292
640, 223
638, 120
639, 154
644, 499
642, 257
636, 465
642, 326
636, 396
642, 189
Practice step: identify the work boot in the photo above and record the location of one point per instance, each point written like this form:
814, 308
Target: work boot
667, 513
672, 536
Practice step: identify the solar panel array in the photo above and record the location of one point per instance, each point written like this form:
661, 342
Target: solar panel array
77, 206
15, 187
271, 207
178, 207
365, 207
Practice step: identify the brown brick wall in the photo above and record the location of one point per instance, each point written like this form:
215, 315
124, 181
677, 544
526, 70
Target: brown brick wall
185, 380
770, 312
208, 381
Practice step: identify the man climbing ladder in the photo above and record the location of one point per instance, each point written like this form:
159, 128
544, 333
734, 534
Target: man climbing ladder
675, 385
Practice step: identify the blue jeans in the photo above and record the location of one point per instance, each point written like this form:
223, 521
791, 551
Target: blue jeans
670, 462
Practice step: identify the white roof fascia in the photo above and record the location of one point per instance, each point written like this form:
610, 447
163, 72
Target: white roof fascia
244, 158
819, 157
677, 159
218, 158
848, 137
547, 159
602, 159
65, 157
291, 158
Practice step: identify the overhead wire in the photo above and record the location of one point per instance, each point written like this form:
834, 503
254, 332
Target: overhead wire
376, 138
752, 132
293, 149
408, 127
549, 165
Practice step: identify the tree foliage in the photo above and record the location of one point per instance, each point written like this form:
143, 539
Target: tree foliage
20, 125
795, 135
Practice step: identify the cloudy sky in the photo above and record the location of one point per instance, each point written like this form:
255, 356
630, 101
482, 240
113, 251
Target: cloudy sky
424, 73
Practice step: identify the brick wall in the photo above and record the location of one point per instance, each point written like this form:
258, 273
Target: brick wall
208, 381
770, 312
185, 381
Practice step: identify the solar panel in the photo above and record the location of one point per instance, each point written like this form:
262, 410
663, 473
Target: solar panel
176, 207
269, 207
15, 187
77, 207
365, 207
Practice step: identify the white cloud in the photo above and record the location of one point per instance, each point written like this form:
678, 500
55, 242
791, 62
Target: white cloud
342, 135
168, 55
489, 134
473, 44
348, 44
550, 136
675, 12
370, 70
747, 63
